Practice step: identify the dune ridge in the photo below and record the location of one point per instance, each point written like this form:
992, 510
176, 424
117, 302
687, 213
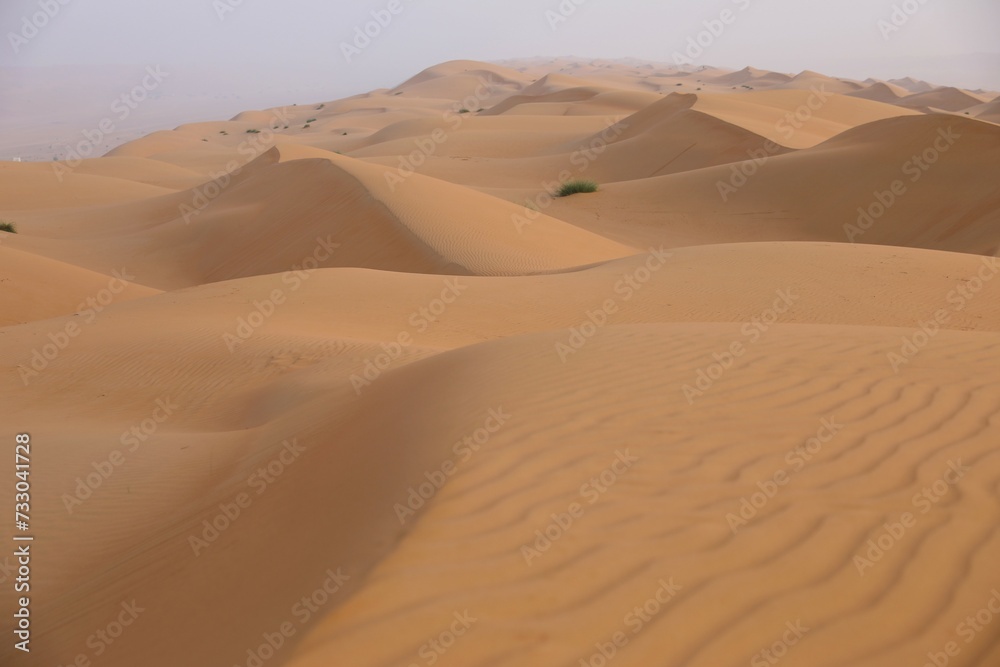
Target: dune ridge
350, 383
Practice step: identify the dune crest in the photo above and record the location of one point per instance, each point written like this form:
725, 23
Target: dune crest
557, 361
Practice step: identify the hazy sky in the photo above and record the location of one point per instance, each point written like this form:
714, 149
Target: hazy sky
840, 37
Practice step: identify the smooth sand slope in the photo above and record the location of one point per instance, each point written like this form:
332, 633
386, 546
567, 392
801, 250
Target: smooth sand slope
365, 393
48, 288
873, 184
944, 99
989, 112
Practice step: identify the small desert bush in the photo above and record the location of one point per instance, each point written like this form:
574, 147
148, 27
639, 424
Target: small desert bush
253, 131
575, 187
7, 227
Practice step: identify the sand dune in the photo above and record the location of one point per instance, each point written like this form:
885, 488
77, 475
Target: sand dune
881, 91
796, 118
989, 112
48, 288
808, 80
21, 183
944, 99
646, 362
673, 136
554, 83
480, 135
564, 102
151, 172
344, 383
912, 85
466, 552
717, 130
323, 210
466, 68
752, 75
830, 192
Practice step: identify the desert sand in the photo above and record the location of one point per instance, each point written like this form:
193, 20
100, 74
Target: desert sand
345, 384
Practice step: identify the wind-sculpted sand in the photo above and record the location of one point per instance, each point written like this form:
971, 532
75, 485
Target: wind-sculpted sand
363, 391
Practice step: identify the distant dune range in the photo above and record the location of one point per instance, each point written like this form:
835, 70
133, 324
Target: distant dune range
438, 414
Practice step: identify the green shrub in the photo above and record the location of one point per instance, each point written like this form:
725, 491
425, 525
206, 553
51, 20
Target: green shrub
575, 187
311, 120
8, 227
253, 131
